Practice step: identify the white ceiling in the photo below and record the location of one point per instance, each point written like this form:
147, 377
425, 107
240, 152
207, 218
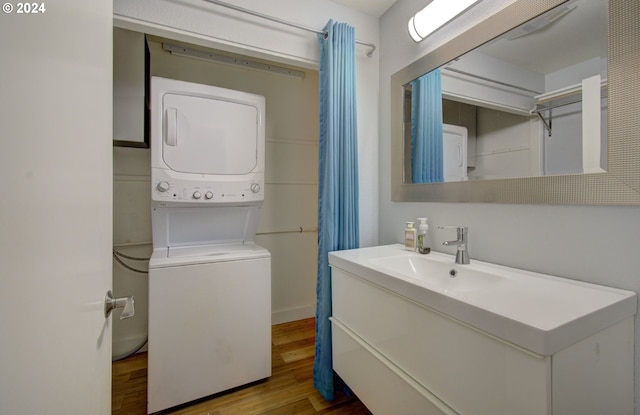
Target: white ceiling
579, 35
371, 7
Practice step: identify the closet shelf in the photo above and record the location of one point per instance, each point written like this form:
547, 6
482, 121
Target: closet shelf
559, 98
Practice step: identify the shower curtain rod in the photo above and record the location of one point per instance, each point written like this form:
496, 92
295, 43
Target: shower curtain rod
371, 46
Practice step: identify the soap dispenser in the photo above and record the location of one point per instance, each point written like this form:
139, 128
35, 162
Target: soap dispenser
410, 237
424, 239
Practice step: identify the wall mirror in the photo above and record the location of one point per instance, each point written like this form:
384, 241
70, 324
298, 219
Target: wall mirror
533, 105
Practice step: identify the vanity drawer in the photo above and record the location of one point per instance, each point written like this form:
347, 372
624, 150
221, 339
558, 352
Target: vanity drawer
472, 372
380, 385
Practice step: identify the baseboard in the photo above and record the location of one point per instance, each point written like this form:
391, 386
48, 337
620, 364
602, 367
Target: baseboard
293, 314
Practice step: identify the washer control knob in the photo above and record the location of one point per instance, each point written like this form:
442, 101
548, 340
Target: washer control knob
197, 195
208, 195
255, 187
162, 186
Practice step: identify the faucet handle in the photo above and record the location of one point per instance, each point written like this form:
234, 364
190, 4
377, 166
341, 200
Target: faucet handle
461, 233
459, 228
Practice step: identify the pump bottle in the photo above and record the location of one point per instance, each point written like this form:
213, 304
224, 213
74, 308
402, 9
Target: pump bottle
424, 240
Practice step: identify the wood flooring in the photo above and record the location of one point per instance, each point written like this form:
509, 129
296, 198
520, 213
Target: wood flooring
289, 390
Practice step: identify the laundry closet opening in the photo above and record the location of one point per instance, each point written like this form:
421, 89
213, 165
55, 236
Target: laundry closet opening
288, 222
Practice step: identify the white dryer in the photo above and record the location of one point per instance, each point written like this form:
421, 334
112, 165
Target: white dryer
209, 283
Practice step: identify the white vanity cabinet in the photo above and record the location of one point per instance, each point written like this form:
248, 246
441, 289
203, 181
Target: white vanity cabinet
403, 357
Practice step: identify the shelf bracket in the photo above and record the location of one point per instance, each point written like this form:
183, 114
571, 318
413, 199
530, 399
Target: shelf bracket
547, 125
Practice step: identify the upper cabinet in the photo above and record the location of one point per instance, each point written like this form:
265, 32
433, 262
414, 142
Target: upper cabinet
130, 80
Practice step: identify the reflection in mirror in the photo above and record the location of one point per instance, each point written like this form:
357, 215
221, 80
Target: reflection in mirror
425, 131
531, 102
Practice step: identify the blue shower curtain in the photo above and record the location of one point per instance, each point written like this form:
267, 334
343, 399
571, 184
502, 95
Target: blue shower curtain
426, 129
337, 181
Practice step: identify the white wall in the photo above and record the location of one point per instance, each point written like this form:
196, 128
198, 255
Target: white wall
563, 150
202, 23
506, 145
588, 243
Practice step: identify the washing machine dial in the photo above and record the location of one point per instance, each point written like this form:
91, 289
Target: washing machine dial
208, 195
255, 187
197, 195
163, 186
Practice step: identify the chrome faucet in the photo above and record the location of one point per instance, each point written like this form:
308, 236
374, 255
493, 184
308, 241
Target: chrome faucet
462, 255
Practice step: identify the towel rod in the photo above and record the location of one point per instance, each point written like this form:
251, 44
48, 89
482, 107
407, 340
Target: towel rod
371, 46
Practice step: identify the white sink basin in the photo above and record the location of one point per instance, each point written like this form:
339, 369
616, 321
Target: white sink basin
539, 312
440, 273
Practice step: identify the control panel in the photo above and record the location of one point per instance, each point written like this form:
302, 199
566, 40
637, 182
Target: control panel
229, 192
187, 191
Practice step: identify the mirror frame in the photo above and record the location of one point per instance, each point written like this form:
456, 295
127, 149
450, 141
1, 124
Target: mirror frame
620, 185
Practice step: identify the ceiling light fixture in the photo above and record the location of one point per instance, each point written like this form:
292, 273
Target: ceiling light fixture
435, 15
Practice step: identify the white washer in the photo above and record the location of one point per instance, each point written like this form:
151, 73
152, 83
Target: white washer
209, 283
209, 322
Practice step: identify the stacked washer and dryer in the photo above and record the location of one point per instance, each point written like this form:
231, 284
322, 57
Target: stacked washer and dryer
209, 283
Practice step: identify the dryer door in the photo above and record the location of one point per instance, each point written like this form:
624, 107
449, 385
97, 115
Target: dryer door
208, 135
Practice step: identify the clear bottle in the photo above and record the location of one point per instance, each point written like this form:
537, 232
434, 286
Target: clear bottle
410, 237
424, 239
